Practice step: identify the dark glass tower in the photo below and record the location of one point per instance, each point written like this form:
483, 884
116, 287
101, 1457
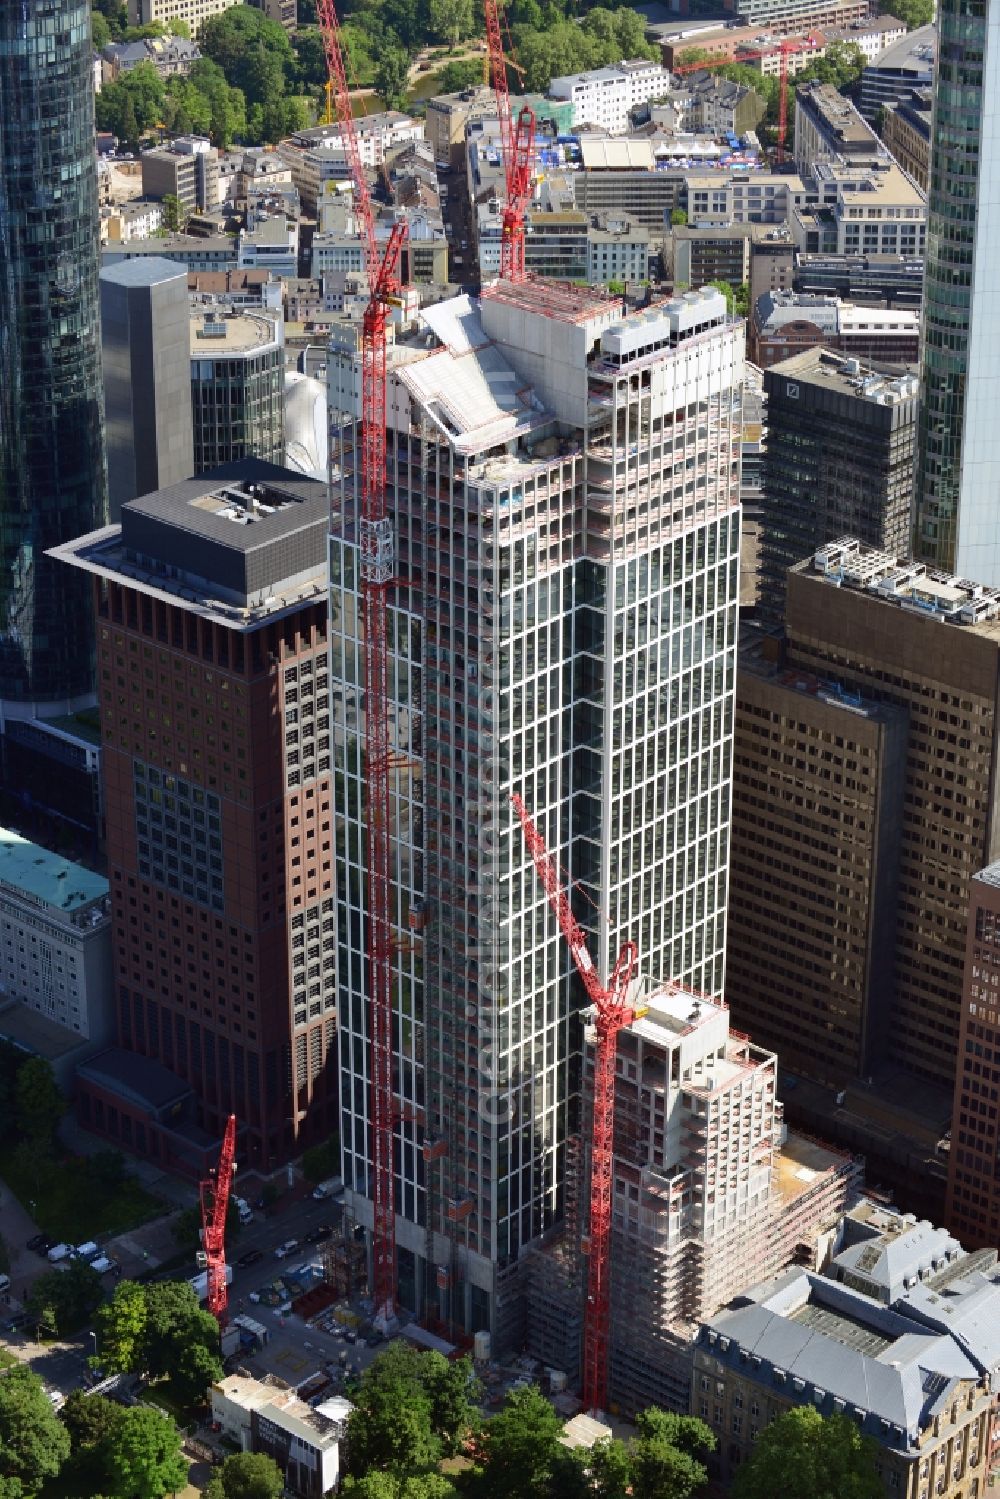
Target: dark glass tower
959, 444
52, 479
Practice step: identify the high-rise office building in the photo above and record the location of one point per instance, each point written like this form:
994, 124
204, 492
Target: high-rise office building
959, 447
818, 786
52, 483
564, 486
839, 462
237, 388
212, 652
147, 377
973, 1210
903, 634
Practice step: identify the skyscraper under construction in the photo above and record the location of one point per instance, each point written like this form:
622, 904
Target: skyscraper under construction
563, 482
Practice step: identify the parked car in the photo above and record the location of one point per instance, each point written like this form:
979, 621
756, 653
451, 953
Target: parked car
251, 1257
319, 1235
40, 1244
59, 1252
350, 1336
283, 1250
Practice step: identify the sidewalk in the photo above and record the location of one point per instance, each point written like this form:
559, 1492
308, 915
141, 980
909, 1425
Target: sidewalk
18, 1228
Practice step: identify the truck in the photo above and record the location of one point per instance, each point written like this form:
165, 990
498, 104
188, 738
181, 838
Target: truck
332, 1187
199, 1283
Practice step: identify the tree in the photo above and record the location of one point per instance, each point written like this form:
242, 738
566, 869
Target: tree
678, 217
456, 76
132, 104
664, 1456
160, 1330
121, 1330
33, 1442
145, 1451
912, 13
453, 1389
451, 20
390, 1426
100, 31
174, 217
803, 1455
521, 1447
247, 1475
177, 27
321, 1161
248, 48
93, 1423
39, 1102
392, 72
226, 107
106, 1169
390, 1486
64, 1300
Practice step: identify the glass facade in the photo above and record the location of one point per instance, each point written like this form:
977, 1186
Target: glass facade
955, 524
52, 479
569, 635
238, 395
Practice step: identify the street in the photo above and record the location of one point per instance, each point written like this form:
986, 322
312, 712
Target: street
63, 1364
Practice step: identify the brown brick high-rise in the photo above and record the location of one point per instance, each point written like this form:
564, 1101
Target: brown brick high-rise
212, 673
973, 1211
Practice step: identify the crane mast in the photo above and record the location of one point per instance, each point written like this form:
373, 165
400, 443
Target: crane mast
377, 569
785, 48
214, 1195
612, 1014
517, 140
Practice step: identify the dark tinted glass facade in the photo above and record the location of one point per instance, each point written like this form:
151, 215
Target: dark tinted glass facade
956, 148
52, 484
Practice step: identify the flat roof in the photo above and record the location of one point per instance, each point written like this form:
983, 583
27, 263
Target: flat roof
145, 270
229, 333
47, 877
31, 1032
801, 1162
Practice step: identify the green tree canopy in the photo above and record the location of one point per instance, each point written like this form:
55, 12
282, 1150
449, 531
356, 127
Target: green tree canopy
64, 1299
391, 1486
912, 13
665, 1455
131, 105
40, 1103
320, 1162
145, 1453
456, 76
160, 1329
247, 1475
100, 31
803, 1455
521, 1447
252, 51
93, 1423
559, 45
392, 71
33, 1442
451, 20
410, 1409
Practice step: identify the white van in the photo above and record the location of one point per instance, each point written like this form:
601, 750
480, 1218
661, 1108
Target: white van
59, 1252
102, 1264
86, 1251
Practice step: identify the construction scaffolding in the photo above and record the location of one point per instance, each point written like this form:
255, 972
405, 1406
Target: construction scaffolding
707, 1199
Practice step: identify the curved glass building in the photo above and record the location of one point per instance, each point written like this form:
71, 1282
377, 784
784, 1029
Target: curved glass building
52, 475
957, 524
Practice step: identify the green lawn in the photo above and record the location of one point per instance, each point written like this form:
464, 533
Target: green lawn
68, 1205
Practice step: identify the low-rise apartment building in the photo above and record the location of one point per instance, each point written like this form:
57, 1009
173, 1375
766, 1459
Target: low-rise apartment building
906, 131
266, 1415
316, 155
604, 96
55, 939
186, 169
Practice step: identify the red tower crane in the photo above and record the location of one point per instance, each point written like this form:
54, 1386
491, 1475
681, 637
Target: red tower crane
517, 141
377, 567
214, 1193
784, 50
612, 1014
